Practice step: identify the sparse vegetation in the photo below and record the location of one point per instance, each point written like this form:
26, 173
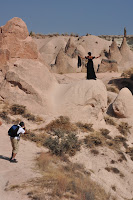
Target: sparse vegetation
38, 138
64, 180
61, 125
124, 128
17, 109
94, 151
112, 88
129, 151
105, 133
67, 144
127, 73
4, 116
114, 170
85, 127
94, 139
109, 120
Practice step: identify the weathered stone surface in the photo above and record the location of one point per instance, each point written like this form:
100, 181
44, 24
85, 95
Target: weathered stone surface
4, 57
15, 27
29, 83
114, 52
108, 66
83, 100
14, 36
62, 64
123, 104
70, 47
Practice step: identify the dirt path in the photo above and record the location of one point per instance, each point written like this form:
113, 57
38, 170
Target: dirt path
16, 173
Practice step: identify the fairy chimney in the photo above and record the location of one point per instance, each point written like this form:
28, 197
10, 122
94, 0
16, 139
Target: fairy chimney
114, 53
70, 47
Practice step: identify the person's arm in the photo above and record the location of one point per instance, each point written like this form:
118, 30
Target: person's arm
82, 57
98, 56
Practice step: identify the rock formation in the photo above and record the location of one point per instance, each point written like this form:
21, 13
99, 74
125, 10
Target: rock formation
84, 100
14, 36
114, 53
123, 104
70, 47
108, 66
29, 83
63, 63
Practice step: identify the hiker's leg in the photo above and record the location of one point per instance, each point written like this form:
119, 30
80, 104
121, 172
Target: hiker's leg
15, 145
13, 157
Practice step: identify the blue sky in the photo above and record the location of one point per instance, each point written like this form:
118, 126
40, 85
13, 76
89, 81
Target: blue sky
96, 17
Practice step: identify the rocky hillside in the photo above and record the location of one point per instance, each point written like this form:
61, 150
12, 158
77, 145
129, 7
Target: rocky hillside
84, 127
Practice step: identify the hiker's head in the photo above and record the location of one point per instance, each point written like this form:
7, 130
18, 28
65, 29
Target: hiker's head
89, 53
21, 124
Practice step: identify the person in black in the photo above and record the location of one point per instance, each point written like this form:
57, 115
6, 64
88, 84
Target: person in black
90, 69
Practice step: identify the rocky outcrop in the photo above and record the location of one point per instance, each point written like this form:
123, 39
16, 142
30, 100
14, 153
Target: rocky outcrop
29, 83
63, 63
123, 104
114, 53
70, 47
83, 100
16, 81
125, 51
108, 66
14, 36
4, 57
15, 28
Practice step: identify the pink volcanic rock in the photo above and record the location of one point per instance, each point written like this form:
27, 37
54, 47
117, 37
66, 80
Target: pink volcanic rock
15, 27
14, 36
4, 57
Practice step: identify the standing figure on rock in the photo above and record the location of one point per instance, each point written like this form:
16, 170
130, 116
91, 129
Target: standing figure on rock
90, 69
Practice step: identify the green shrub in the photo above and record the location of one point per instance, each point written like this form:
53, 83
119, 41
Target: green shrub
68, 144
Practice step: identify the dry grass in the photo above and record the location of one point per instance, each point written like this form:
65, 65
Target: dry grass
85, 127
17, 109
112, 88
109, 120
114, 170
37, 138
63, 137
62, 124
94, 140
127, 73
64, 180
124, 128
105, 133
5, 117
129, 151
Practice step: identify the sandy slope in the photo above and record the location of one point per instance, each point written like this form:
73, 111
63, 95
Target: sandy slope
16, 173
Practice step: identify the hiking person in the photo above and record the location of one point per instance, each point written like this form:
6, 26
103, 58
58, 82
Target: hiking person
90, 69
14, 132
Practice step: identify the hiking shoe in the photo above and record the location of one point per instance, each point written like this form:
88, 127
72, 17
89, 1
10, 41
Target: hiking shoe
13, 161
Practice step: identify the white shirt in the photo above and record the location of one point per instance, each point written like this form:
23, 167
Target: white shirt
20, 131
